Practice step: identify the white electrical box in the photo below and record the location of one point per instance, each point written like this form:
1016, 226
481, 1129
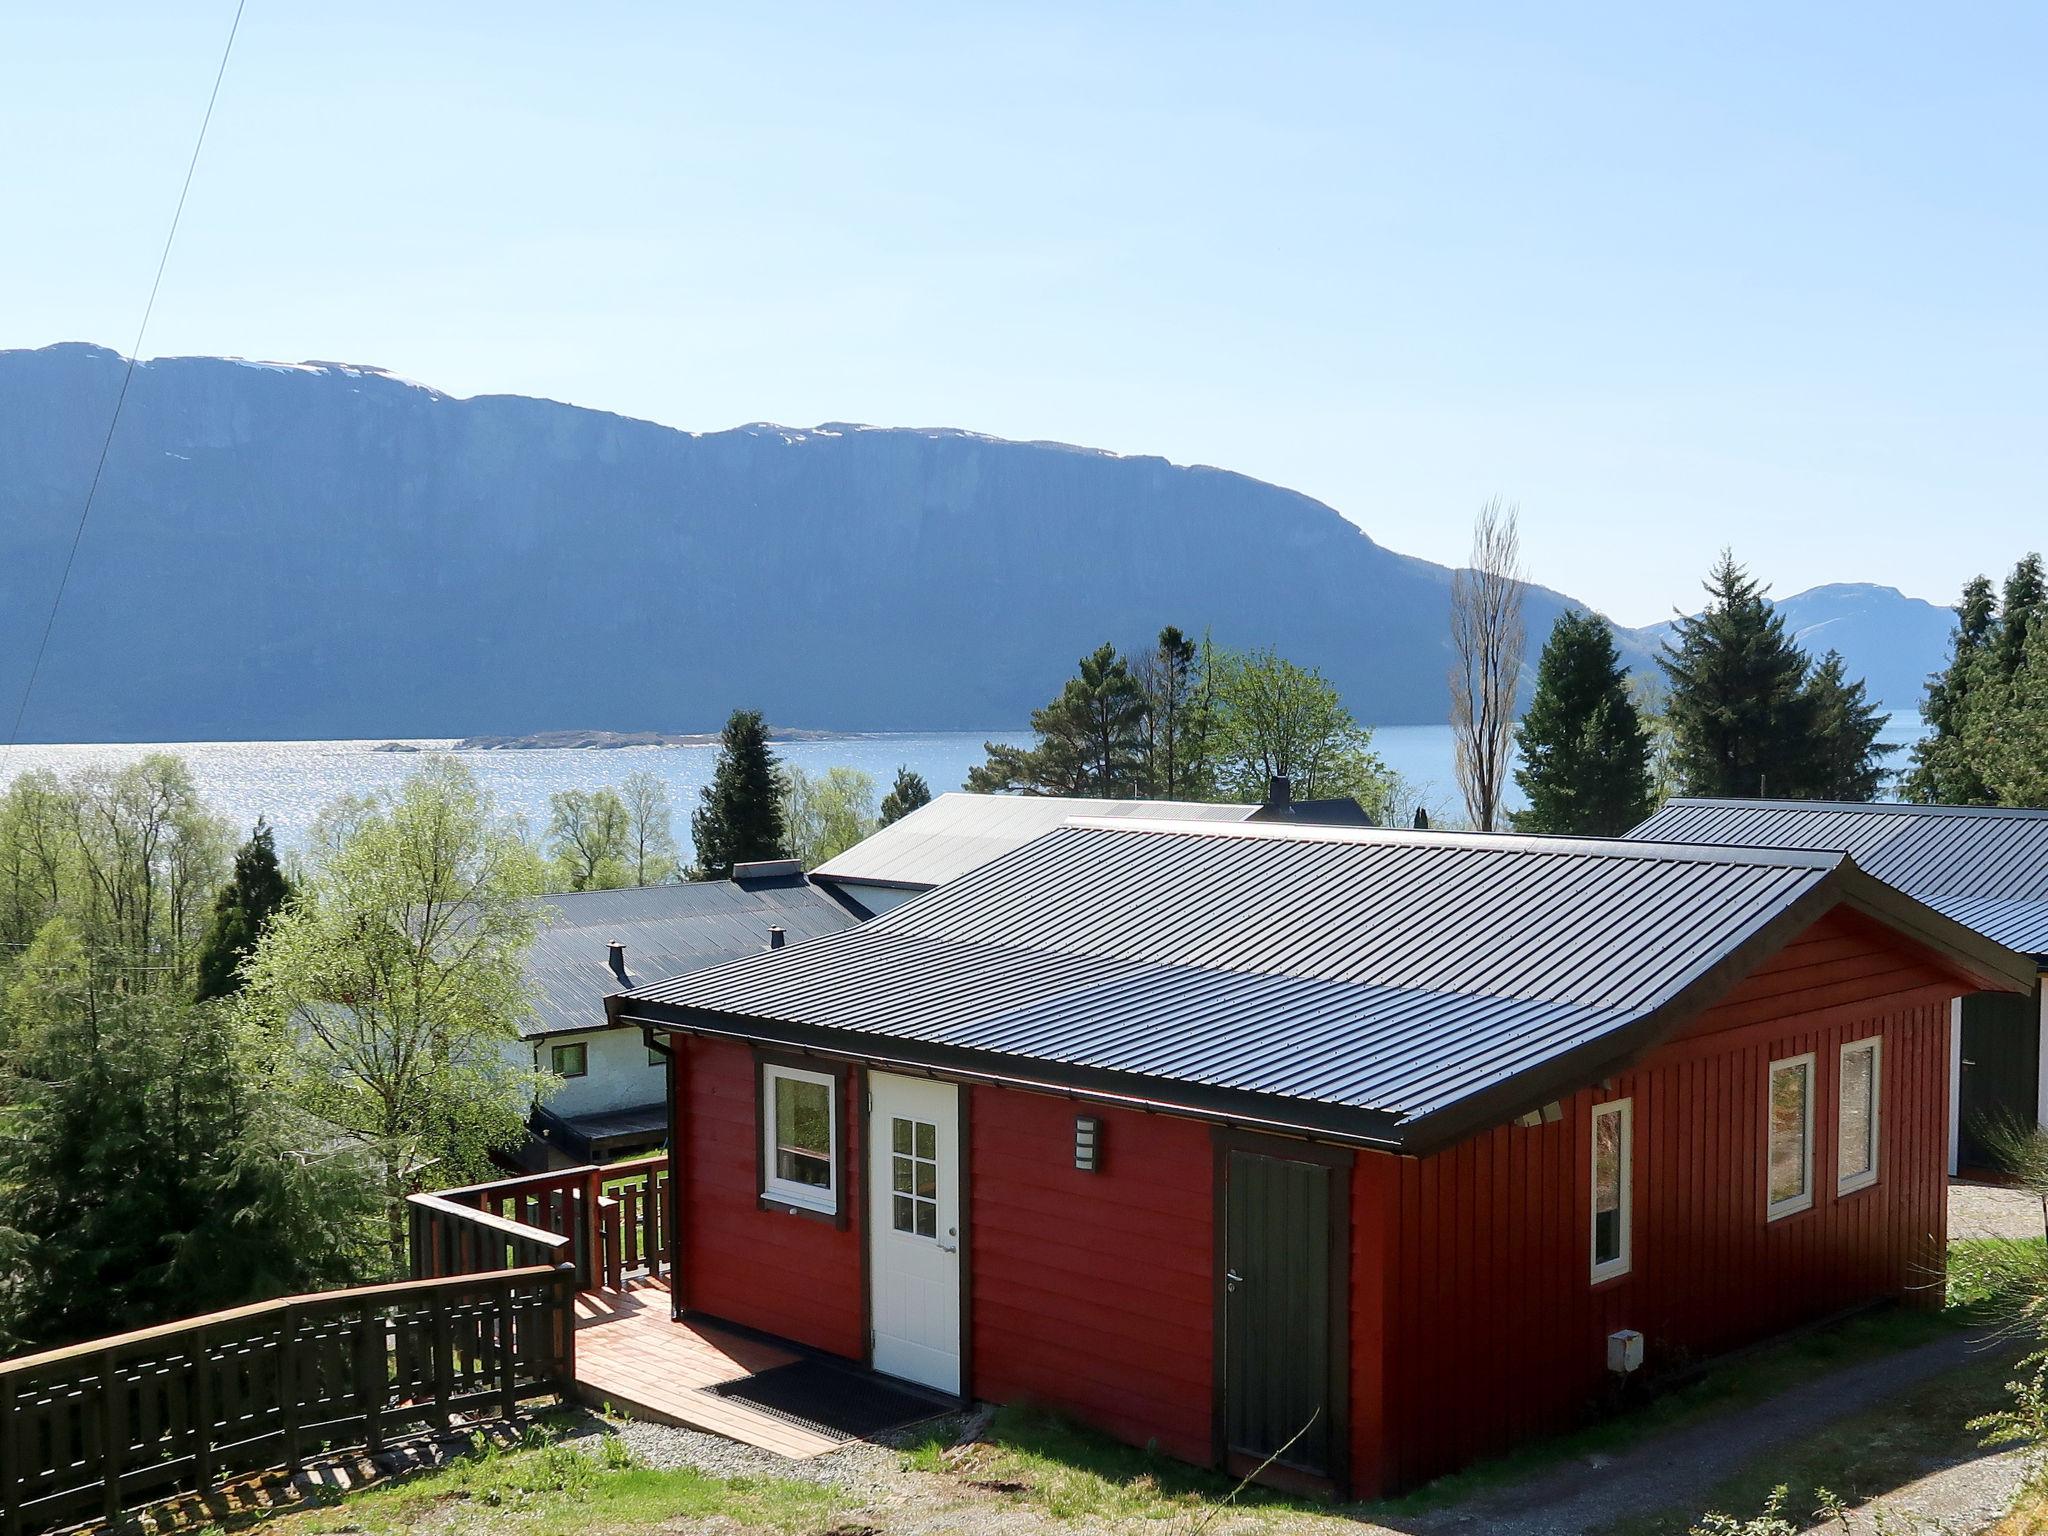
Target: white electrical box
1624, 1351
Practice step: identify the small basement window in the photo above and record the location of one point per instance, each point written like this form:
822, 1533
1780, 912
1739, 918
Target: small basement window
570, 1060
1856, 1128
800, 1131
1613, 1187
1789, 1138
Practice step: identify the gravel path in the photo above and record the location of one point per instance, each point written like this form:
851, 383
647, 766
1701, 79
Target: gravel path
1992, 1210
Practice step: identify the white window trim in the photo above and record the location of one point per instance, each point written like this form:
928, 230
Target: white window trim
1802, 1201
1621, 1263
1856, 1181
788, 1192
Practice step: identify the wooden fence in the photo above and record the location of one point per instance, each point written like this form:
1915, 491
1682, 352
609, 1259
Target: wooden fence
107, 1425
610, 1221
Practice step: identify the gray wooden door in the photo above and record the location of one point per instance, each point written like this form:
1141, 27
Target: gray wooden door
1276, 1311
2000, 1069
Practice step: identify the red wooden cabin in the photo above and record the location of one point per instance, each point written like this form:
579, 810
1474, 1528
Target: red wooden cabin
1368, 1152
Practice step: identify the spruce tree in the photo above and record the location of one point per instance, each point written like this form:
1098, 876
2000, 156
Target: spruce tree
1585, 757
908, 793
255, 891
1741, 723
740, 819
1846, 760
1944, 772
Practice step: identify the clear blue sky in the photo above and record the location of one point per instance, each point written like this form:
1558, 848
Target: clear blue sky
1671, 277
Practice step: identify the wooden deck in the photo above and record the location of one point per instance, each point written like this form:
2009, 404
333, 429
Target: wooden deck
630, 1353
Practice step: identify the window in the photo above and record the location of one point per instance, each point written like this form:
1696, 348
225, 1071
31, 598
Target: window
655, 1058
570, 1060
1613, 1192
1856, 1128
800, 1130
914, 1176
1790, 1145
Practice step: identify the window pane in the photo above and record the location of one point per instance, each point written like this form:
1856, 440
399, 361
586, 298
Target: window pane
901, 1218
1858, 1122
803, 1115
1788, 1133
899, 1175
927, 1140
927, 1219
927, 1179
899, 1131
1607, 1154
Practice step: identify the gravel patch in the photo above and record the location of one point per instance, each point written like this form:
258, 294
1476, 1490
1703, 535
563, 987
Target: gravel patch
1992, 1210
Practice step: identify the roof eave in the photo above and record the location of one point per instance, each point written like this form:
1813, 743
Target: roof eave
1272, 1112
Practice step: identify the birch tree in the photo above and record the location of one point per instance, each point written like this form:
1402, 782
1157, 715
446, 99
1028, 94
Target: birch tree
1487, 640
395, 981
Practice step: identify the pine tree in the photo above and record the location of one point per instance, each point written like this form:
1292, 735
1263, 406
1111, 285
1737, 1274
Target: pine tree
740, 819
1740, 722
1944, 772
1846, 760
255, 891
907, 794
1585, 757
1091, 739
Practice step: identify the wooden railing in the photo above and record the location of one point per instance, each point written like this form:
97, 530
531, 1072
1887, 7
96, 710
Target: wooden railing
100, 1427
609, 1221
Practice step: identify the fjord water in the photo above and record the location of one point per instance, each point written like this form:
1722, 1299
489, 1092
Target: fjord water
290, 781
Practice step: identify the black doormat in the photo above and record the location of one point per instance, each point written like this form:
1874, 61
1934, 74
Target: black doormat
829, 1400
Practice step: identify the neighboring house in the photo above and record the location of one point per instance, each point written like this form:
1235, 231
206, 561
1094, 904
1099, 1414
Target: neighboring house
1984, 866
940, 841
1368, 1151
610, 1102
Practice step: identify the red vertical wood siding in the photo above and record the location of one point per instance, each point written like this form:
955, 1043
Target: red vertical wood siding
1495, 1332
790, 1275
1093, 1291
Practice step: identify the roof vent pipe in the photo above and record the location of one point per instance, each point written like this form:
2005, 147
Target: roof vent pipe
618, 960
1280, 790
775, 936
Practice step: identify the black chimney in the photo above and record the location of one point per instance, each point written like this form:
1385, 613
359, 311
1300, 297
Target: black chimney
1421, 819
775, 938
1280, 791
618, 959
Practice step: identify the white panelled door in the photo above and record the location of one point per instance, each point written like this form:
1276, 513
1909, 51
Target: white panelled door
914, 1228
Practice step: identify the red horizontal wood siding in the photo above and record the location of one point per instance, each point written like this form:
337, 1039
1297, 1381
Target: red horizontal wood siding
789, 1275
1093, 1291
1494, 1331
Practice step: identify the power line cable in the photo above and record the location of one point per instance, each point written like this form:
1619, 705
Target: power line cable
127, 375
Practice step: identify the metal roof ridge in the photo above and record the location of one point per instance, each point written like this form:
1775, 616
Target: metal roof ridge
1504, 842
1857, 807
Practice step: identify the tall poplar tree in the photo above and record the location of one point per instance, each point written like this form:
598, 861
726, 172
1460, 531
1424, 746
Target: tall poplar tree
1741, 723
1585, 755
740, 819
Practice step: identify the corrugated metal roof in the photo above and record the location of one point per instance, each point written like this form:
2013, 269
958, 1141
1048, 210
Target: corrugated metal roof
958, 832
1385, 976
1985, 866
667, 930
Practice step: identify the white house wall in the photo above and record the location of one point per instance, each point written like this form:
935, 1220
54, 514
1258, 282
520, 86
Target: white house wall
619, 1076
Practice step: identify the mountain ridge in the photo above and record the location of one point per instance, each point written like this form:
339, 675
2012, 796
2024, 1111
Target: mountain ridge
331, 550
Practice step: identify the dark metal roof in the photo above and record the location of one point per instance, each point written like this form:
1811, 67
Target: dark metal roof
1985, 866
667, 930
1390, 986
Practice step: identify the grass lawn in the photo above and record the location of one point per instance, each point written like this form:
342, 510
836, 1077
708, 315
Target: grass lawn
543, 1488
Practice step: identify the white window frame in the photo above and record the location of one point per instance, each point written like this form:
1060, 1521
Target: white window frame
1614, 1268
808, 1197
1803, 1201
1850, 1183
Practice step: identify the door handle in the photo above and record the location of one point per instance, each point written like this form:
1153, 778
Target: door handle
1233, 1277
949, 1247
